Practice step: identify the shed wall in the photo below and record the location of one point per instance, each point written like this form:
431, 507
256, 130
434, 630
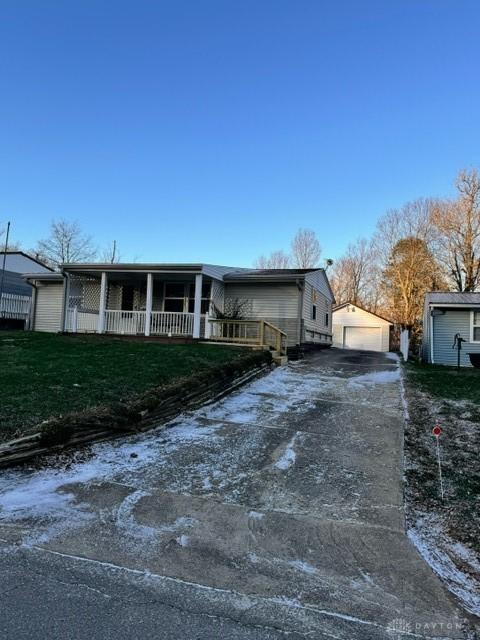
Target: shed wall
444, 329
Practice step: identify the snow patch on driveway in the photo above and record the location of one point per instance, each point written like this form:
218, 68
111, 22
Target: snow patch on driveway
289, 456
438, 550
375, 377
127, 522
43, 497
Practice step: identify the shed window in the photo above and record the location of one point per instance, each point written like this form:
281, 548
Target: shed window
475, 334
314, 311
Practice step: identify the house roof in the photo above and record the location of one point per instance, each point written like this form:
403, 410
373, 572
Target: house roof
268, 274
47, 275
27, 257
357, 306
452, 298
215, 271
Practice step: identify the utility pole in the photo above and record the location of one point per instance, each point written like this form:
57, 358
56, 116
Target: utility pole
2, 278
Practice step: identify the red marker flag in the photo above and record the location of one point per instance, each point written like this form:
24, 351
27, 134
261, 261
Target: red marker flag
436, 431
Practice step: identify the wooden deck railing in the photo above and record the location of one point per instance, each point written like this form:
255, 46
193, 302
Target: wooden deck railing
250, 332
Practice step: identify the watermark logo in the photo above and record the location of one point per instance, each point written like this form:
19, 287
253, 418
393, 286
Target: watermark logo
398, 627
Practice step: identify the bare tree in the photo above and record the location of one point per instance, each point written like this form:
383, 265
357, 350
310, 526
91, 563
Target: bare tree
12, 246
66, 243
111, 254
353, 275
457, 224
235, 309
306, 249
276, 260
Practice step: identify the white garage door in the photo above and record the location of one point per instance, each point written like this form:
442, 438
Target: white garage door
364, 338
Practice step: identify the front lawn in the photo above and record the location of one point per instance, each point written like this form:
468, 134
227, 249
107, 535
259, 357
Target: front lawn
44, 375
446, 382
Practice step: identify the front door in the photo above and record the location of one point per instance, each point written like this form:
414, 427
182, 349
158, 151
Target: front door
128, 293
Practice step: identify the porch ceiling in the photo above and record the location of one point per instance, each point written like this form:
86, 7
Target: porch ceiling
96, 269
138, 276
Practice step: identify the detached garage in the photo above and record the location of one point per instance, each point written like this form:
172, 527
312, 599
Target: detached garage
357, 328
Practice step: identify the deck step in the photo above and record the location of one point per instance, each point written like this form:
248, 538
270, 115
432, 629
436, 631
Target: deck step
280, 360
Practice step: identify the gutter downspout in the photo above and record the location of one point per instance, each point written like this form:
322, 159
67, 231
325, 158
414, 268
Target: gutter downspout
66, 296
301, 288
432, 361
33, 308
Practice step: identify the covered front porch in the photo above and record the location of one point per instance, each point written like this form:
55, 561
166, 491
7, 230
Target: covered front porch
140, 303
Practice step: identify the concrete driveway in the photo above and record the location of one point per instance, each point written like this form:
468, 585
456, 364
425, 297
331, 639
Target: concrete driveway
276, 512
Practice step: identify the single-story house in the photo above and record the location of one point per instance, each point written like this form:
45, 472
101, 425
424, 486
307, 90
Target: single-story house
16, 263
357, 328
185, 300
446, 315
16, 292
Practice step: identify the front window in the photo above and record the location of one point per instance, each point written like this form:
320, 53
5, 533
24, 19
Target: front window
475, 334
206, 288
174, 299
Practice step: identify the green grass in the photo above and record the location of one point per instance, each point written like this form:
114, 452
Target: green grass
44, 375
446, 382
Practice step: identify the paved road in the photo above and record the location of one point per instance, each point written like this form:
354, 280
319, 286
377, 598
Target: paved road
275, 513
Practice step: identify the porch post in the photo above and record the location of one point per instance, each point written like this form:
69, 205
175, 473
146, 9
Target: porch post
148, 304
66, 302
103, 302
197, 306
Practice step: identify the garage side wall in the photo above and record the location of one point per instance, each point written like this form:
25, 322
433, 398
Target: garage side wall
48, 307
359, 318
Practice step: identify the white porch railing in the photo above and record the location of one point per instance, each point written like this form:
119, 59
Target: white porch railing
162, 323
81, 321
129, 322
168, 322
15, 306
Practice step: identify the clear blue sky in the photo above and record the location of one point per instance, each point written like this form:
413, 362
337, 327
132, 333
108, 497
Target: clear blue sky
211, 130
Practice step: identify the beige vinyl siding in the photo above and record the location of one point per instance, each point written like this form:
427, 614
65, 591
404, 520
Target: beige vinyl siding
445, 327
317, 291
48, 307
318, 279
316, 330
275, 303
359, 318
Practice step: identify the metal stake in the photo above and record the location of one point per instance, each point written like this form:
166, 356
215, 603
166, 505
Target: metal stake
439, 466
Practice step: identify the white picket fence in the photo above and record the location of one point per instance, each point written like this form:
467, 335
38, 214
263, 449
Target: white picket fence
404, 343
15, 306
